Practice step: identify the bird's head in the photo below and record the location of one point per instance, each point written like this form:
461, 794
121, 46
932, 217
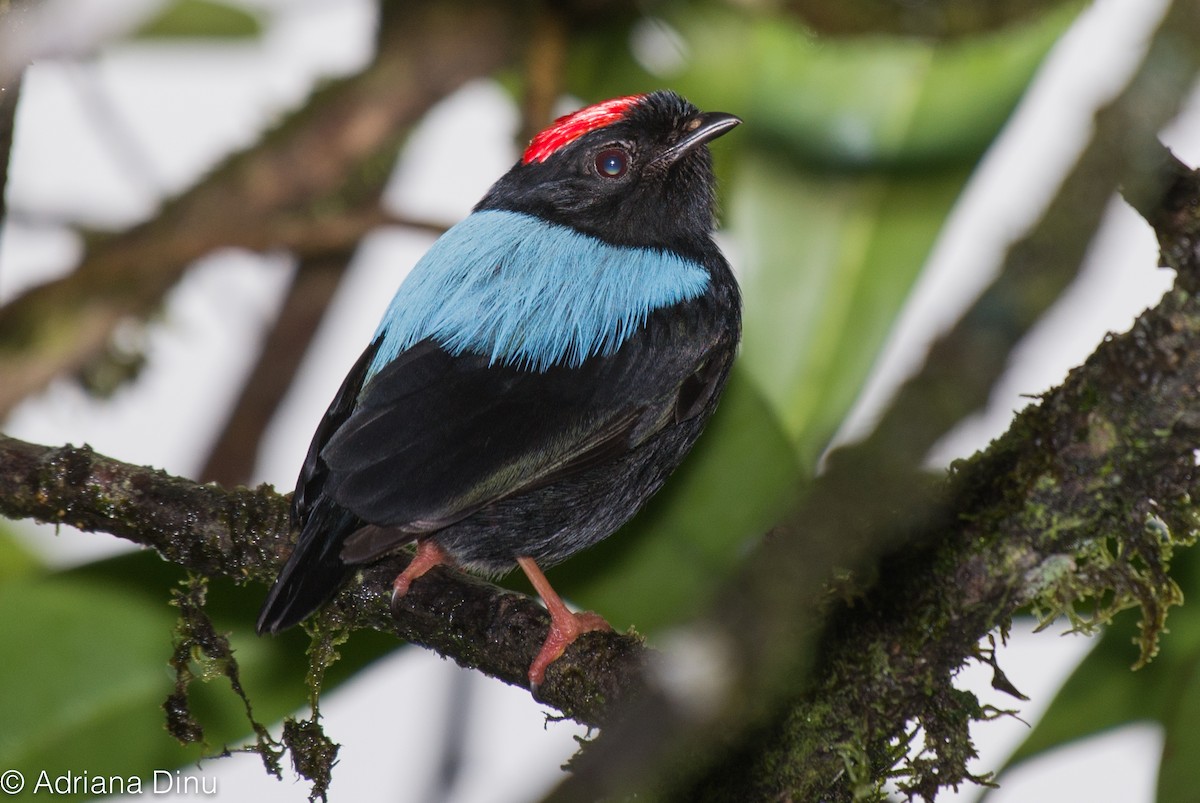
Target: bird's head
630, 171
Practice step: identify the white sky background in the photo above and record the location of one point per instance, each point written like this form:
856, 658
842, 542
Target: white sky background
186, 106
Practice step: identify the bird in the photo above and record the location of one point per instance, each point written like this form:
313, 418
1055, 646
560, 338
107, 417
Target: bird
538, 375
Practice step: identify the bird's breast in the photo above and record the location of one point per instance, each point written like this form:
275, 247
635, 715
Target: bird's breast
530, 293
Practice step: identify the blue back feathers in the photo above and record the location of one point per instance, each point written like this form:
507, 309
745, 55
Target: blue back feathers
529, 293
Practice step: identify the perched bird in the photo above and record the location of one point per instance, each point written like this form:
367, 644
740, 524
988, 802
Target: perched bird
542, 370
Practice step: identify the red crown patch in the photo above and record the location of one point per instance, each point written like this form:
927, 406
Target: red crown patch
570, 127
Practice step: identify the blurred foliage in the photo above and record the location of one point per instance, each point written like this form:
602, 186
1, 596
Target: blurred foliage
92, 695
854, 152
16, 562
95, 701
817, 315
201, 19
931, 18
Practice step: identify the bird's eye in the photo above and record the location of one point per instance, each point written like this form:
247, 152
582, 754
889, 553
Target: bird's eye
612, 163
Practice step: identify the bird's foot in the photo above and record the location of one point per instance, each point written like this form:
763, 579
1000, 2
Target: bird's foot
564, 629
565, 626
428, 555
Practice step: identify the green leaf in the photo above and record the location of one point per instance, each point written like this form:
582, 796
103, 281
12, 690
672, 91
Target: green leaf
860, 102
852, 155
15, 559
829, 256
1179, 771
829, 260
82, 675
201, 19
85, 670
660, 567
846, 104
273, 667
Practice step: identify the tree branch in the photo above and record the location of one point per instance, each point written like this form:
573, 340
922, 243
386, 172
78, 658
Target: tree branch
998, 553
8, 113
995, 552
333, 154
1084, 498
314, 281
1108, 455
243, 534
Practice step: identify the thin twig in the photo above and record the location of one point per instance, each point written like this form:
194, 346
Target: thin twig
334, 154
233, 456
9, 96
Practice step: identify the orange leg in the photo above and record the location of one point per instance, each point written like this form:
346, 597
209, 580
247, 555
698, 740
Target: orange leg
565, 626
428, 555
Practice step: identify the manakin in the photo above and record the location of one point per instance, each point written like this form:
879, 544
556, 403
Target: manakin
539, 374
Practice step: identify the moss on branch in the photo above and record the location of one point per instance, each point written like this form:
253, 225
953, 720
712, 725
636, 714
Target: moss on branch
1085, 498
243, 534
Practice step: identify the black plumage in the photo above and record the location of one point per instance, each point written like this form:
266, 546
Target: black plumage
473, 446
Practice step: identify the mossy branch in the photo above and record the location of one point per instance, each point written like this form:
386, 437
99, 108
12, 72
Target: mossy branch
1109, 455
243, 534
1087, 494
1034, 519
1076, 511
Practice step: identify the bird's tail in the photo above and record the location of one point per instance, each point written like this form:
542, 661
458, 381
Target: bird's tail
313, 572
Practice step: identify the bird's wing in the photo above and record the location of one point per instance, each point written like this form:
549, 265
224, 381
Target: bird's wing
314, 472
435, 436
